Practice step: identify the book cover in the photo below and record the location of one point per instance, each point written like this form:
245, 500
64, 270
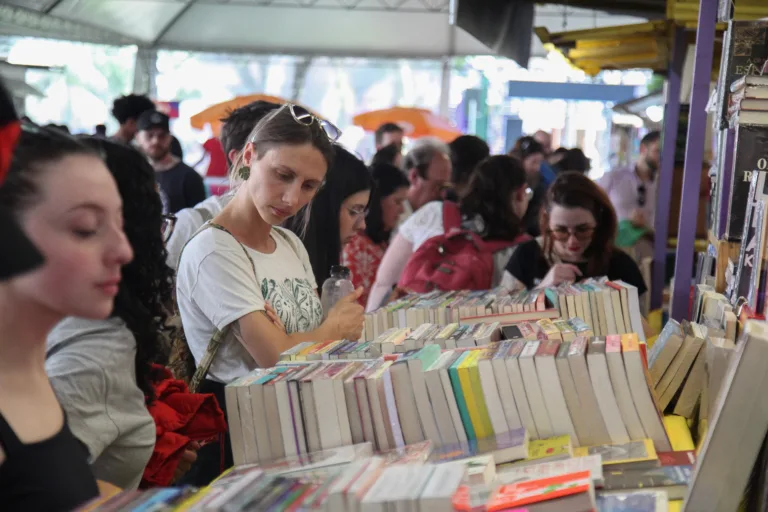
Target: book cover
535, 491
749, 158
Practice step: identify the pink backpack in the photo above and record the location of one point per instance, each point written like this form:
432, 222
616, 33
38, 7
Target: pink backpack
456, 260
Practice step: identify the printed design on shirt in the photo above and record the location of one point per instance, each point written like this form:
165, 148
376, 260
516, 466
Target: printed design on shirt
295, 302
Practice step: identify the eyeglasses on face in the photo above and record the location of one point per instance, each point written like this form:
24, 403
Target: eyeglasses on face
358, 213
305, 117
582, 233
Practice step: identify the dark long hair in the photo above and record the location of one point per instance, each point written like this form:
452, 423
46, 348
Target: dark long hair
574, 190
489, 196
147, 285
387, 179
346, 176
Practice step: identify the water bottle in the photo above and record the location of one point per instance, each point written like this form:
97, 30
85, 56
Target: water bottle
336, 287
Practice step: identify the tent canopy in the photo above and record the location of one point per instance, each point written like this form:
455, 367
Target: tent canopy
366, 28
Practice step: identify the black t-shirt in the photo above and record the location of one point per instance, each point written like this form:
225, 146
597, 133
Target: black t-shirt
50, 475
529, 266
182, 185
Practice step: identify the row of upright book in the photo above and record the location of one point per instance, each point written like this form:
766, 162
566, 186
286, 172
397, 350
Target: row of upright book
594, 389
607, 307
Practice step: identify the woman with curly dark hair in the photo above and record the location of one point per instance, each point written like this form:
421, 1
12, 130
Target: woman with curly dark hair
100, 369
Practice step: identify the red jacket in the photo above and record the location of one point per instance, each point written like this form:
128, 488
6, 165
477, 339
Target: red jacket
180, 418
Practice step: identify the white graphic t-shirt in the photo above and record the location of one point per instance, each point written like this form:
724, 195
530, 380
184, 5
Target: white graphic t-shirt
216, 285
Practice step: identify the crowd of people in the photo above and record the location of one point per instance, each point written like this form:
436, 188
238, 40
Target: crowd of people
111, 239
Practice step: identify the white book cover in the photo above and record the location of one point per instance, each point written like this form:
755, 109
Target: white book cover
533, 390
552, 390
518, 389
513, 474
439, 401
491, 393
505, 388
621, 388
579, 371
606, 399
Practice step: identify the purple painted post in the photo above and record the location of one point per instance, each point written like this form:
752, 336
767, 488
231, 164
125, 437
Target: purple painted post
725, 187
666, 173
694, 156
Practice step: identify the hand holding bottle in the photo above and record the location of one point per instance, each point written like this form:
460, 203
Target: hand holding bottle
346, 318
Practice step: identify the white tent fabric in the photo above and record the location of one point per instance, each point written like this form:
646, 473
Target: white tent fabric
365, 28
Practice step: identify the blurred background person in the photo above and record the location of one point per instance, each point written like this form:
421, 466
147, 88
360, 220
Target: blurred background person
236, 128
127, 109
546, 170
428, 169
573, 159
531, 154
492, 205
182, 186
390, 155
467, 151
389, 133
364, 252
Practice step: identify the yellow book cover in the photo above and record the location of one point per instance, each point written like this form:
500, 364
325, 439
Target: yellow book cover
641, 450
552, 332
559, 446
679, 434
477, 390
447, 331
465, 379
302, 356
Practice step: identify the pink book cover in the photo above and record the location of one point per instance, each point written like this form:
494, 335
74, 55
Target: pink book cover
613, 343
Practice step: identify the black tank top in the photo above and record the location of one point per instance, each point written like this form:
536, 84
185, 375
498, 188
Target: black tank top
52, 475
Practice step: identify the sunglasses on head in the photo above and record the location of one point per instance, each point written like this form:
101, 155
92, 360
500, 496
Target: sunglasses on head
305, 117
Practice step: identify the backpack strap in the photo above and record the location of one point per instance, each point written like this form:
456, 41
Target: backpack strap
451, 217
204, 213
218, 336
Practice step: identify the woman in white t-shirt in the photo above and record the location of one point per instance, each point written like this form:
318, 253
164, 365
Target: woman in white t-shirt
494, 201
229, 272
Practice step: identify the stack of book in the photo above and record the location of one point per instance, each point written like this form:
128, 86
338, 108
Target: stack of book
687, 368
400, 340
607, 307
554, 477
595, 390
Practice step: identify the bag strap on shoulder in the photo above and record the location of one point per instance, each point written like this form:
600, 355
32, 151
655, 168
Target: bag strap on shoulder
451, 216
218, 336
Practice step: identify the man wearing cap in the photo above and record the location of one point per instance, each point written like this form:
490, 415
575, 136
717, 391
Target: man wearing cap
182, 186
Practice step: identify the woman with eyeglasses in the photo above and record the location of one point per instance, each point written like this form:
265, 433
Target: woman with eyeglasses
242, 260
363, 254
531, 155
338, 213
63, 248
492, 204
579, 226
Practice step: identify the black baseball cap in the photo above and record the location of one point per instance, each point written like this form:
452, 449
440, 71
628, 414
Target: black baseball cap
153, 119
17, 254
